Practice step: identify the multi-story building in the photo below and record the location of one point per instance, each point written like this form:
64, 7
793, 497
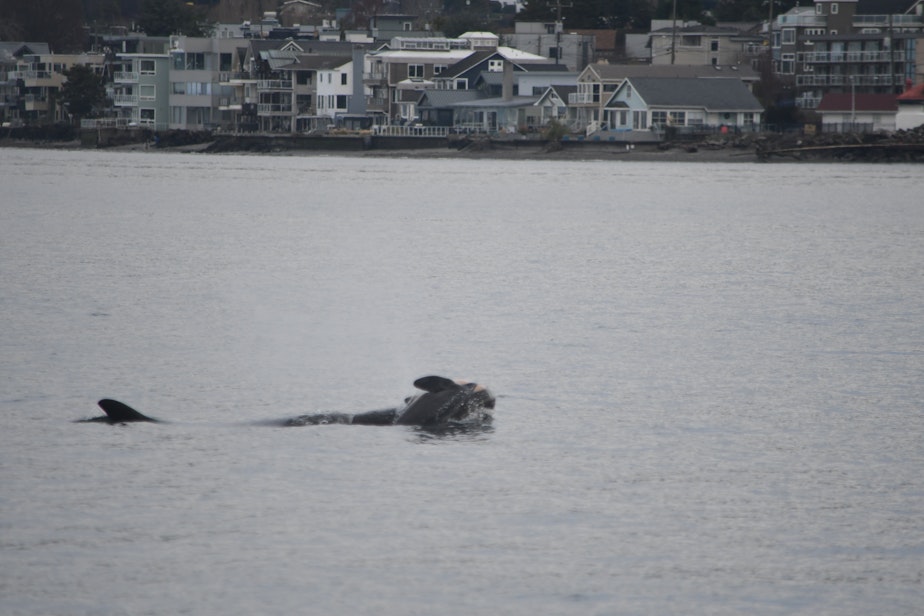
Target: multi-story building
550, 40
200, 81
141, 85
39, 78
698, 44
11, 53
841, 46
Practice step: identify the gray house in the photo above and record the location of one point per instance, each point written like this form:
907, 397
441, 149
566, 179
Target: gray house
685, 104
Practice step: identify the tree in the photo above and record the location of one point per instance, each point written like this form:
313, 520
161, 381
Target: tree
82, 91
166, 17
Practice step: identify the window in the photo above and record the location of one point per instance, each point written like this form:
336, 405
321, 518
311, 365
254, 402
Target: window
439, 68
147, 116
677, 118
224, 62
787, 66
146, 92
407, 26
303, 78
819, 9
147, 67
658, 118
628, 91
341, 101
714, 45
555, 53
343, 79
415, 71
495, 66
691, 40
179, 87
834, 8
638, 120
789, 36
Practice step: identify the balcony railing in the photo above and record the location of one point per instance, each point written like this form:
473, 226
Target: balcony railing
818, 57
376, 103
125, 100
274, 84
583, 98
274, 109
125, 77
845, 80
866, 21
411, 131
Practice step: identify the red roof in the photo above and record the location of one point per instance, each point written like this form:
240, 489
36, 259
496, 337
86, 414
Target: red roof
861, 102
913, 94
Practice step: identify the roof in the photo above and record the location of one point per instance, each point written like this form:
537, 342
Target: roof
914, 94
499, 101
845, 101
701, 29
884, 7
447, 98
11, 49
310, 61
618, 72
725, 94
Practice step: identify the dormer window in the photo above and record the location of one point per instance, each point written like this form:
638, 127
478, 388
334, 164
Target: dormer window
495, 66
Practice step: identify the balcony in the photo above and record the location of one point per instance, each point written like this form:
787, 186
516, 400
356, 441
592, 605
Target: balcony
848, 80
275, 84
886, 21
583, 98
376, 103
820, 57
271, 109
125, 77
377, 77
125, 100
801, 20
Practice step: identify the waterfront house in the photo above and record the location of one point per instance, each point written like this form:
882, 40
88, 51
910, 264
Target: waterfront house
857, 112
597, 82
11, 52
683, 104
553, 105
910, 108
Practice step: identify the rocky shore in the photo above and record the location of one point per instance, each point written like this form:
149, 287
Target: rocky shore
900, 146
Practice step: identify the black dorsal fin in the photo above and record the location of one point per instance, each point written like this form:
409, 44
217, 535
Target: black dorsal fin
435, 384
119, 412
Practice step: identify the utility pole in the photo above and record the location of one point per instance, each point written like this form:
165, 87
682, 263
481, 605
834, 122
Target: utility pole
674, 35
558, 27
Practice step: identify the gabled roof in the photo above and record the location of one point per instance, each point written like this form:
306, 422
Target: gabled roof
845, 101
718, 94
499, 101
17, 49
561, 92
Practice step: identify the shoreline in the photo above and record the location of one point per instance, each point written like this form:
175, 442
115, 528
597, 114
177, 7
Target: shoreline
715, 152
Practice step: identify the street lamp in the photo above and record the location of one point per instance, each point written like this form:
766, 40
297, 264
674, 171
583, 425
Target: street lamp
853, 103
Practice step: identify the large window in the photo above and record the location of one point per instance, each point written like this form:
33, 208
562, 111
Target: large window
189, 61
691, 40
147, 67
415, 71
658, 118
146, 92
789, 36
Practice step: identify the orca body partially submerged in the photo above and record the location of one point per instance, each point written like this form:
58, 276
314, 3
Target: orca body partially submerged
444, 402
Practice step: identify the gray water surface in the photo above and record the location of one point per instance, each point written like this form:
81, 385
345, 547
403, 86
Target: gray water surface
709, 380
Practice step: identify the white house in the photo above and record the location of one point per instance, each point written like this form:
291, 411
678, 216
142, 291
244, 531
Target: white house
646, 103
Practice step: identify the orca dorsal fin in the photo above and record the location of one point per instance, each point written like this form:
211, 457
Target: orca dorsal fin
118, 412
435, 384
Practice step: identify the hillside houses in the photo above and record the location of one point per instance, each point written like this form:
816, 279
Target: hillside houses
276, 76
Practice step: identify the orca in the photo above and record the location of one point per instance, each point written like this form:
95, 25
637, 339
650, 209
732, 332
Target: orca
444, 402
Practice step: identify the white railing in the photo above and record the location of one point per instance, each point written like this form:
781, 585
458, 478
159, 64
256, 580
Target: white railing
125, 77
105, 123
593, 127
411, 131
852, 56
274, 84
846, 80
125, 100
274, 108
581, 98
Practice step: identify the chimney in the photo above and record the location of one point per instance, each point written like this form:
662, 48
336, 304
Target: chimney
507, 89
